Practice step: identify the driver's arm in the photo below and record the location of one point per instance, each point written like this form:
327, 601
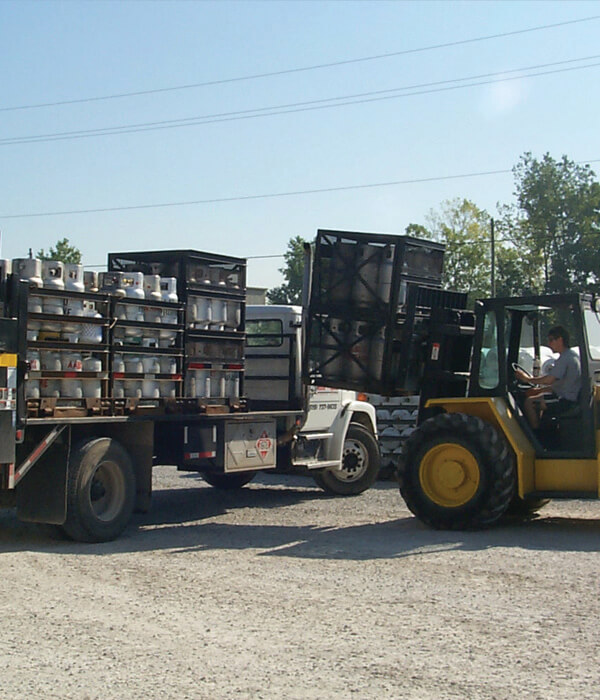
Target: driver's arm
546, 380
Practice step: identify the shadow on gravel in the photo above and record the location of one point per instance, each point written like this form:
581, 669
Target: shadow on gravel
177, 522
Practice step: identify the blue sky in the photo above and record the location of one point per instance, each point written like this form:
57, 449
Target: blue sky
65, 51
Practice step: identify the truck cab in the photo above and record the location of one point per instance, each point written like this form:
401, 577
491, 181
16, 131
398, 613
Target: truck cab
337, 441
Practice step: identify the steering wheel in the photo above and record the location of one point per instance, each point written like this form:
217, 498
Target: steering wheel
518, 384
517, 366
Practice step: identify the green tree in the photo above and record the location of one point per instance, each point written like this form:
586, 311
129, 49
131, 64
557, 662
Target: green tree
63, 251
464, 228
290, 292
556, 221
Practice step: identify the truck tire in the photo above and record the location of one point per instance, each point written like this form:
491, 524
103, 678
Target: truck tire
100, 491
457, 473
360, 464
228, 482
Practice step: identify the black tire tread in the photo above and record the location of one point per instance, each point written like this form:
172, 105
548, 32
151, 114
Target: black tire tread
496, 460
333, 486
79, 526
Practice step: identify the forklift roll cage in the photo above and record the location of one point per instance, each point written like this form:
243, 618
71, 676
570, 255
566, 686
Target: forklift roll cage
501, 326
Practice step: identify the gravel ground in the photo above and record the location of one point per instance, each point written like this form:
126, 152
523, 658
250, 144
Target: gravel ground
277, 591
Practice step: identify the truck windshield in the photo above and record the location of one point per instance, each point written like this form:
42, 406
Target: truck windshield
264, 333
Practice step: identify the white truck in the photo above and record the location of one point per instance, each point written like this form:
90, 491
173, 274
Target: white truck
337, 442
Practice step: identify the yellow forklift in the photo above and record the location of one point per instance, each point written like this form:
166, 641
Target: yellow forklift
476, 457
379, 321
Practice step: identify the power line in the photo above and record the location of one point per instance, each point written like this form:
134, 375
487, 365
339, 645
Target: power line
249, 197
272, 195
324, 103
301, 69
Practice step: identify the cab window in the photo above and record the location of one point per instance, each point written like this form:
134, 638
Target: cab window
489, 375
263, 334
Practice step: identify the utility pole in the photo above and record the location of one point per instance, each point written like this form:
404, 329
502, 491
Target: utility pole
493, 257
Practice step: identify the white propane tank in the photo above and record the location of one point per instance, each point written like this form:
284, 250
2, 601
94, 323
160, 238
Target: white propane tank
199, 274
219, 314
203, 315
133, 389
386, 269
151, 367
168, 365
53, 274
234, 315
340, 279
133, 363
118, 367
359, 350
90, 280
90, 333
232, 384
112, 283
331, 354
150, 364
33, 359
168, 287
152, 293
364, 284
189, 387
70, 387
118, 363
168, 390
219, 306
376, 349
202, 383
53, 278
32, 386
73, 307
74, 277
217, 383
30, 269
134, 289
50, 362
92, 388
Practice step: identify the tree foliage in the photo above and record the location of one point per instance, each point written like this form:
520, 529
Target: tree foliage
63, 251
290, 292
556, 221
464, 228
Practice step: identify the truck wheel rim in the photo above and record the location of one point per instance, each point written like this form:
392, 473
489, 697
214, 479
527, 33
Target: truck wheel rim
449, 475
354, 461
107, 491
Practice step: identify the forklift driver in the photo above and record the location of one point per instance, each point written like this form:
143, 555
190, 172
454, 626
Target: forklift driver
561, 384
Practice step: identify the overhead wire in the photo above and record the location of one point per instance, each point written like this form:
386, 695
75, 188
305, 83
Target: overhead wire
271, 195
287, 71
324, 103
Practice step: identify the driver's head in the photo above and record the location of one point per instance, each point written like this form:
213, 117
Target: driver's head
558, 336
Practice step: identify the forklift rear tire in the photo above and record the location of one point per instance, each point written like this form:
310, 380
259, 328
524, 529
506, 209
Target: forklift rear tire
100, 491
360, 464
228, 482
458, 473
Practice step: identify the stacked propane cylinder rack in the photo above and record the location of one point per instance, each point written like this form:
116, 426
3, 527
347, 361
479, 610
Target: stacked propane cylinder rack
212, 291
160, 330
396, 419
357, 310
67, 349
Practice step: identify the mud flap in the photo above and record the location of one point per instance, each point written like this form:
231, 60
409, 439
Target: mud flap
42, 492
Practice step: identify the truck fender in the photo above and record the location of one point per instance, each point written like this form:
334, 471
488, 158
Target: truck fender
353, 411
